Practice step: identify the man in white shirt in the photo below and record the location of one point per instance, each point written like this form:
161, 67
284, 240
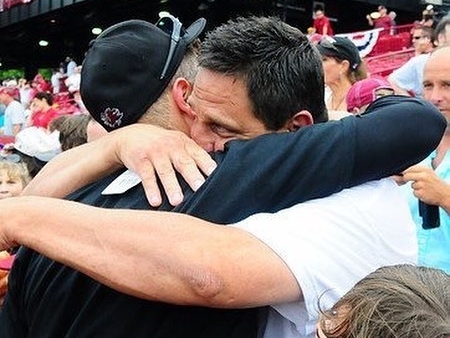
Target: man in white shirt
329, 244
14, 113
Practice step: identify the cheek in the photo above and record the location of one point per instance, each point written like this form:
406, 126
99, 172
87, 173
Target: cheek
330, 71
200, 133
16, 189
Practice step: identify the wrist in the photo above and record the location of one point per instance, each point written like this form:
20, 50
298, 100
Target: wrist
110, 148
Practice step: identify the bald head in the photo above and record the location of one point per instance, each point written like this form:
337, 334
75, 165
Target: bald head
436, 79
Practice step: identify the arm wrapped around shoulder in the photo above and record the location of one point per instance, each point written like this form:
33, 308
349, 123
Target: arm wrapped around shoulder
396, 132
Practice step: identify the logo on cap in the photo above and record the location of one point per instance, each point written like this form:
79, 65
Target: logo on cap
112, 117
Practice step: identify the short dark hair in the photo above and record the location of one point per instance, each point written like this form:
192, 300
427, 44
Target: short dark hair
427, 32
45, 95
441, 27
72, 130
282, 70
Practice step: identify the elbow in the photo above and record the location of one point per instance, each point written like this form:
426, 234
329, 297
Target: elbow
211, 289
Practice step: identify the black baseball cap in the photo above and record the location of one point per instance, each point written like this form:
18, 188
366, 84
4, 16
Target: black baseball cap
128, 66
341, 48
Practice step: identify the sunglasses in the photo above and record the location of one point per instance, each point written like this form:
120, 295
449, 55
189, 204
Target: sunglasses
170, 25
328, 43
380, 92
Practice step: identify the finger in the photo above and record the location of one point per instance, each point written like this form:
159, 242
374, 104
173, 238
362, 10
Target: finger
398, 179
205, 162
150, 184
187, 167
167, 175
201, 157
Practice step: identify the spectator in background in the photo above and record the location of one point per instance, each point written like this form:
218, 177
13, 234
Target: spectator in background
14, 177
392, 302
342, 66
72, 129
407, 80
442, 31
35, 146
40, 84
313, 36
393, 16
380, 19
42, 110
430, 179
25, 92
14, 119
423, 39
322, 23
55, 81
363, 92
428, 17
73, 81
70, 66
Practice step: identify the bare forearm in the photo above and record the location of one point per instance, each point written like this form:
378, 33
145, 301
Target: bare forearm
73, 169
398, 90
16, 129
161, 256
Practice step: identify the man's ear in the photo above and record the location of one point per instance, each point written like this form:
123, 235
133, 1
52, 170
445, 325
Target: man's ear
182, 88
301, 119
357, 111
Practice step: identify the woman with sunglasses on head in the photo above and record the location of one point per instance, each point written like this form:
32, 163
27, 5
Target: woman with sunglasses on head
392, 302
342, 66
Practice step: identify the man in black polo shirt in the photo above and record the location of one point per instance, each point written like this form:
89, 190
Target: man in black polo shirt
62, 302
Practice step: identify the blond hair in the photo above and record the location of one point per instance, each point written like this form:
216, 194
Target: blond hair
16, 171
401, 301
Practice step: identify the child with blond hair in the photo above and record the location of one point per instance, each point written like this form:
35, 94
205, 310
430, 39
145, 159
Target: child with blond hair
13, 179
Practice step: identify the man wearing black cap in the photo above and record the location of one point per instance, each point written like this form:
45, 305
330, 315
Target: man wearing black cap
135, 317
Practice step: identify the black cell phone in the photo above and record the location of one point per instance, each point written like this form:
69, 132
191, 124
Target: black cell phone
430, 215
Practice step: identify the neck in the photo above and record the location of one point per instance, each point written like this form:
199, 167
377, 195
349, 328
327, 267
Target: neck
442, 148
337, 97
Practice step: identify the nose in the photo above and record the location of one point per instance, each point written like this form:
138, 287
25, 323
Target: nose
434, 96
203, 140
210, 142
219, 145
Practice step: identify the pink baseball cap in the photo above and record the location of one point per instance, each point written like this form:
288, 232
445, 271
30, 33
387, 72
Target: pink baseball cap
364, 92
6, 263
11, 91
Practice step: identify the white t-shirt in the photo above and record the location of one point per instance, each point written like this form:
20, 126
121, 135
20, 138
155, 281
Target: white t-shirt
331, 243
14, 114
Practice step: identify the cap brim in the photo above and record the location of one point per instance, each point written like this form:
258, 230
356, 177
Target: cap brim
194, 30
6, 263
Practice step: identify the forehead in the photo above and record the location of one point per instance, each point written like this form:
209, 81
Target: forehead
5, 174
439, 61
226, 92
